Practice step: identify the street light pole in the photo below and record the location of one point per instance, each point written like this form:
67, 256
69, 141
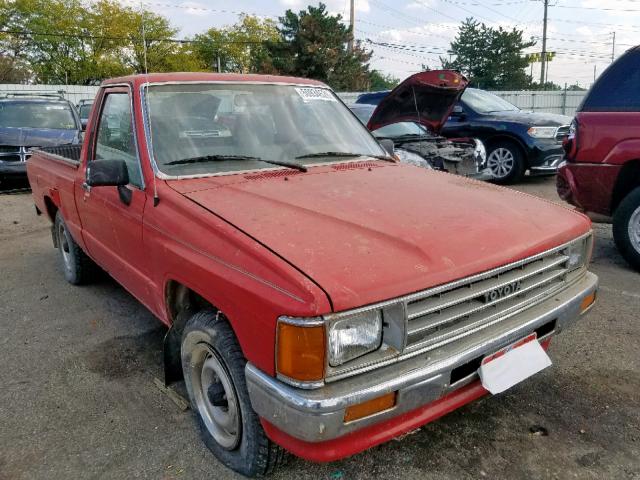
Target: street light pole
352, 23
544, 45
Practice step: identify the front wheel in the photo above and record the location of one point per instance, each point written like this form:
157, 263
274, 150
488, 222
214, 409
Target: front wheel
77, 267
213, 367
626, 228
505, 161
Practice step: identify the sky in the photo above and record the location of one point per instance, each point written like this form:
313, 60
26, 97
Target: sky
579, 31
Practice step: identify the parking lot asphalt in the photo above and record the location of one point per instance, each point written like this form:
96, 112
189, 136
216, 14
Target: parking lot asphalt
77, 397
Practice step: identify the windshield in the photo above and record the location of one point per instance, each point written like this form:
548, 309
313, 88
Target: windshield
201, 129
84, 111
486, 102
36, 115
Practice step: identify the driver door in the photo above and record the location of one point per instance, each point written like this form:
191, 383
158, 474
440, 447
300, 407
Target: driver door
112, 216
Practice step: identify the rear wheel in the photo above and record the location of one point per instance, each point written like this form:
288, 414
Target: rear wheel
626, 228
213, 367
505, 162
77, 267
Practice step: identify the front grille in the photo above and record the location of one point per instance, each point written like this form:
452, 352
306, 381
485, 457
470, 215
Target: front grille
562, 132
14, 154
465, 307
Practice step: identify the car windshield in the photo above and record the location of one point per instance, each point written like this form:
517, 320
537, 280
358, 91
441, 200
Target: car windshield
210, 128
84, 111
36, 115
486, 102
400, 129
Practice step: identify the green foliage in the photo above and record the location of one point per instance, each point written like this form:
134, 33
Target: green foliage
312, 44
491, 58
380, 81
241, 47
76, 42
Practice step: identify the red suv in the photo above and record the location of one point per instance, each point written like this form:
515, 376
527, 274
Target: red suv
601, 175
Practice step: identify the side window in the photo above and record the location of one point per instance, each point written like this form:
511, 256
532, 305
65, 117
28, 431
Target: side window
114, 139
618, 88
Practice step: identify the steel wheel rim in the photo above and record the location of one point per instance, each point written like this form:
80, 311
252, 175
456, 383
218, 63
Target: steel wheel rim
207, 372
633, 229
65, 248
501, 162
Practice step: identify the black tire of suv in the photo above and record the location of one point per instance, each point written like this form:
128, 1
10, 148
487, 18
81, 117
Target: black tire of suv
77, 267
255, 455
519, 166
621, 219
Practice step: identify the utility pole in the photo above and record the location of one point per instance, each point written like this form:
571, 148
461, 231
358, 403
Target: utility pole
352, 23
594, 73
544, 45
613, 46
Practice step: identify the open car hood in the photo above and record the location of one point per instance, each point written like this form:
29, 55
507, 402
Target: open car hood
426, 98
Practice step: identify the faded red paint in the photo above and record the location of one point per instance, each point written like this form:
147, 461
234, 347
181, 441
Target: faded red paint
258, 247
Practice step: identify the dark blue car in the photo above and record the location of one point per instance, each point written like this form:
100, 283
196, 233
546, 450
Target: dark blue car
516, 141
33, 120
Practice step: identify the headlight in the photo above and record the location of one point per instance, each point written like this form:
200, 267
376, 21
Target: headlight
578, 253
542, 132
411, 158
353, 336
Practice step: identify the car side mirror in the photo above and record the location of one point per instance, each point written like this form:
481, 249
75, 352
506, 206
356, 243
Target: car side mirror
83, 123
457, 111
387, 144
107, 173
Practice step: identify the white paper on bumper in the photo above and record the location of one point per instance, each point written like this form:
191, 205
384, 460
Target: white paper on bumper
513, 367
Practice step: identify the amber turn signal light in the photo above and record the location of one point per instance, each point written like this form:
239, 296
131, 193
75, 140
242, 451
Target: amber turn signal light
587, 301
365, 409
301, 352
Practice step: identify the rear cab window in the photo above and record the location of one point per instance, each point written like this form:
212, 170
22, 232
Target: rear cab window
618, 88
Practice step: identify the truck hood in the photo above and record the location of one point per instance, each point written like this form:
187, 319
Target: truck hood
36, 137
426, 98
372, 231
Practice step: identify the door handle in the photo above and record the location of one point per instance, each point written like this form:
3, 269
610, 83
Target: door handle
86, 187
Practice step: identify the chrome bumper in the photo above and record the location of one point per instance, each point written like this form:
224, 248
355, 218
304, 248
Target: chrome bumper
550, 164
318, 415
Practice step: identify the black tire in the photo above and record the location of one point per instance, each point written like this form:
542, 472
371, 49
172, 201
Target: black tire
627, 214
208, 337
77, 267
495, 152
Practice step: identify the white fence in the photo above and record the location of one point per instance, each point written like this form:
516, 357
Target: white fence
560, 101
557, 101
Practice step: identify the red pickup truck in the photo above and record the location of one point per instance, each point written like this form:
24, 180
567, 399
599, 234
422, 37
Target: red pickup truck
601, 173
322, 297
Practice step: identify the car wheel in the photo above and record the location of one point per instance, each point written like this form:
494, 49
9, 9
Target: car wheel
626, 228
77, 267
505, 161
213, 367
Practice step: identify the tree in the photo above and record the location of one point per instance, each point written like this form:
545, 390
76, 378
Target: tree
312, 44
491, 58
78, 42
379, 81
240, 47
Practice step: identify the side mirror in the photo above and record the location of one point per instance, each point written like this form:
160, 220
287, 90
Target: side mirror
83, 123
457, 111
387, 144
107, 173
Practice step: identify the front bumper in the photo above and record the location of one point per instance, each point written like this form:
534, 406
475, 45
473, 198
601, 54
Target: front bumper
545, 157
298, 419
13, 169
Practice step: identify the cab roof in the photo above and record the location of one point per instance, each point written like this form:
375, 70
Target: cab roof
140, 79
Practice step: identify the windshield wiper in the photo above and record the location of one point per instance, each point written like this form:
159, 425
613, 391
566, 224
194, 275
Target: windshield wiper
213, 158
346, 155
210, 158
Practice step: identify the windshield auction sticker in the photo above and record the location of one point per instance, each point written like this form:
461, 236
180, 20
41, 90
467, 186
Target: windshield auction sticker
312, 93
